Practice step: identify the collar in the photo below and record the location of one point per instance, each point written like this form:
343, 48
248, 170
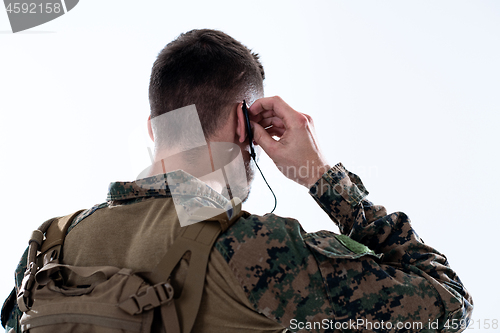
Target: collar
184, 188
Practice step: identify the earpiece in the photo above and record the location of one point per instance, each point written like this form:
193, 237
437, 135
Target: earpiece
249, 129
252, 151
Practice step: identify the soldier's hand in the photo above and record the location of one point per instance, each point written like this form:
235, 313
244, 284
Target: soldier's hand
296, 152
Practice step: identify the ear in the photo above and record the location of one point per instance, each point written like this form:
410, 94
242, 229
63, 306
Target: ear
241, 129
150, 129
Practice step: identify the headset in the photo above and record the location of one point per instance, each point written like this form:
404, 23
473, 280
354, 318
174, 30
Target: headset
252, 150
249, 129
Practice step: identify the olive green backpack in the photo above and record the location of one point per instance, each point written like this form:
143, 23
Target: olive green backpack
116, 299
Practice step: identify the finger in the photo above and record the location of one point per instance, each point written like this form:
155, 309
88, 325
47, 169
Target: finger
262, 137
309, 118
274, 121
305, 115
264, 114
290, 117
275, 131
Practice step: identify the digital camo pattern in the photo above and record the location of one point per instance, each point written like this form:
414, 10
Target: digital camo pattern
383, 273
275, 268
377, 270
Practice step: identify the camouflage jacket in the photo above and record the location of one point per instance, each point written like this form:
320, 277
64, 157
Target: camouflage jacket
377, 275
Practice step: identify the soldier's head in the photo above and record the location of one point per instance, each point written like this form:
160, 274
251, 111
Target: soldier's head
214, 72
206, 68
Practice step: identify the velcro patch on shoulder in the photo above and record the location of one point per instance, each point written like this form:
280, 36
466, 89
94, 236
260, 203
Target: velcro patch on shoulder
354, 246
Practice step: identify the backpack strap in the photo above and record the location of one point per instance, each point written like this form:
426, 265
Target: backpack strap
55, 231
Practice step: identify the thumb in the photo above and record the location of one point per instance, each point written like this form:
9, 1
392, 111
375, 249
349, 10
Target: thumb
262, 138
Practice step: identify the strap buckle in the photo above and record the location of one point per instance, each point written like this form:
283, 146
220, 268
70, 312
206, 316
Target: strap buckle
23, 297
152, 297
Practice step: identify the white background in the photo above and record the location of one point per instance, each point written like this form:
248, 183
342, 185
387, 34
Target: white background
404, 93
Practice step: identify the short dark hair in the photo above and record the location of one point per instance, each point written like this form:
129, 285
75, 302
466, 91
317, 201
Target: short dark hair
207, 68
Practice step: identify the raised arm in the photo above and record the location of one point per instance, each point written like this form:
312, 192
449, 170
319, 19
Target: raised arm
377, 271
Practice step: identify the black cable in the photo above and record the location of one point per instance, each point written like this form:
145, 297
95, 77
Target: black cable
275, 200
252, 151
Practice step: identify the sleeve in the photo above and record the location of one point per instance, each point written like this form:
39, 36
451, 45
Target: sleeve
378, 275
10, 311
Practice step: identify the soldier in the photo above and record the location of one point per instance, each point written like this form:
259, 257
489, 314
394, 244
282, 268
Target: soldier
265, 273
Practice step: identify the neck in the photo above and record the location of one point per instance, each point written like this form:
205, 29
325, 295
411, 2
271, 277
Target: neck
197, 162
218, 164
